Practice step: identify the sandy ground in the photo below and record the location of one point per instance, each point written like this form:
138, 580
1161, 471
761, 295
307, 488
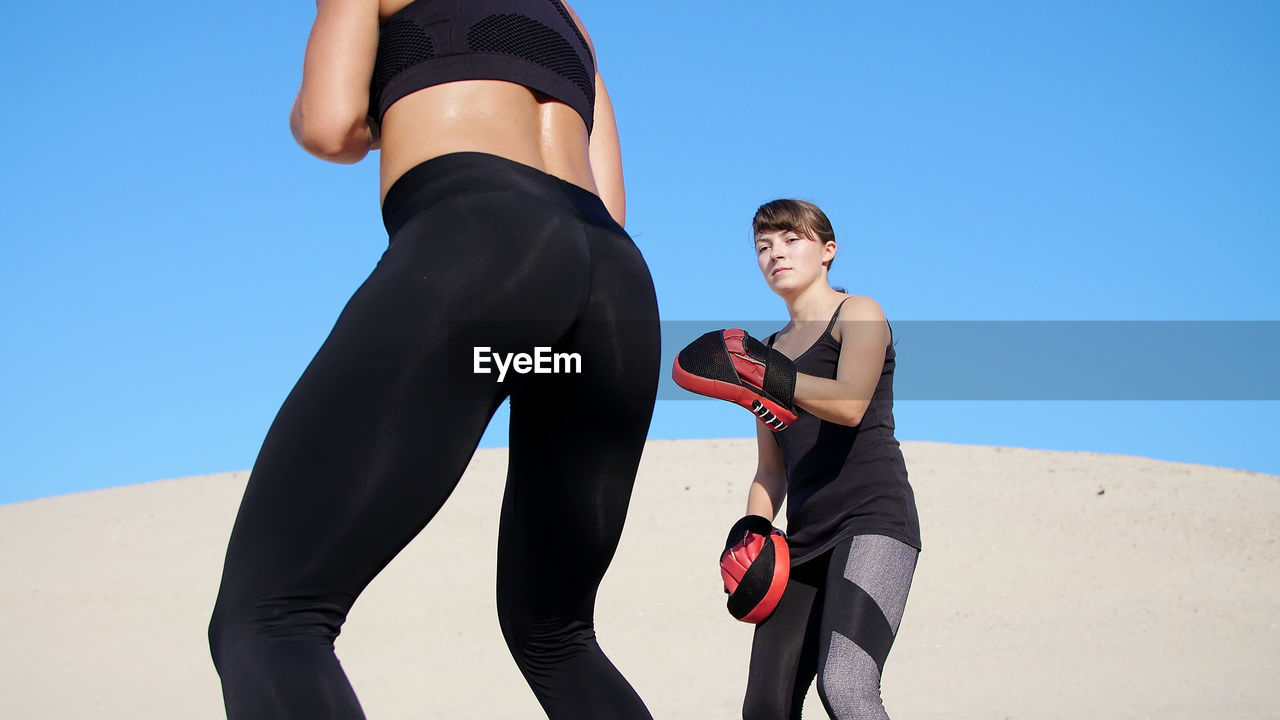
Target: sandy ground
1052, 585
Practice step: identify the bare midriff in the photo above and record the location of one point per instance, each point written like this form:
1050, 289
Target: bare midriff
488, 116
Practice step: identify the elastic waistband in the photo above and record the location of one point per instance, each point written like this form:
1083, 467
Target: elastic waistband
445, 176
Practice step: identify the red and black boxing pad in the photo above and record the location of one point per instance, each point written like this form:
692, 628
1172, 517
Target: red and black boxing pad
731, 365
755, 566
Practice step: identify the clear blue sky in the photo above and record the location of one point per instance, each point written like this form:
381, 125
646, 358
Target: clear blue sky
171, 260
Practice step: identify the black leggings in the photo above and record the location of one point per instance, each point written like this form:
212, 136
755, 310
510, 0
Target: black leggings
484, 252
836, 621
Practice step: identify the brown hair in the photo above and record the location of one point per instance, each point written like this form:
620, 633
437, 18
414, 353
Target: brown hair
795, 215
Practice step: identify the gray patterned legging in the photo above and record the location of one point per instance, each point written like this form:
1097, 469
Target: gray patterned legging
836, 621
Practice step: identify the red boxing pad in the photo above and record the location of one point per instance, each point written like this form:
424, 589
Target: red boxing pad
736, 560
731, 365
755, 567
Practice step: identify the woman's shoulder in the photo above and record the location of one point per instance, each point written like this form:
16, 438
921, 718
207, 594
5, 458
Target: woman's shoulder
859, 307
856, 308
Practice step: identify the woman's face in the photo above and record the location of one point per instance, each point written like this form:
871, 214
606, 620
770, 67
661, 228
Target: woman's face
791, 261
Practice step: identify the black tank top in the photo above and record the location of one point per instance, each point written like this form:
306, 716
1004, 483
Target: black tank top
844, 481
534, 43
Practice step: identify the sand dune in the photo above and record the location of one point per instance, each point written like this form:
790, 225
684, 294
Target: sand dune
1052, 585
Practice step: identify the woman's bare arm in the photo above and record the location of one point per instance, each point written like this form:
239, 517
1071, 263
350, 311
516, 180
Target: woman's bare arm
769, 486
864, 336
329, 117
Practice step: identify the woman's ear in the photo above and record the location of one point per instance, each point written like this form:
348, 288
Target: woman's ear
828, 252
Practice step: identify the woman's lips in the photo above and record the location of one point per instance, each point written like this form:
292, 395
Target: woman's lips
775, 272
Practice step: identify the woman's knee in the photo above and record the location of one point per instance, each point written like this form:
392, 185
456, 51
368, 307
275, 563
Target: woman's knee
234, 640
234, 628
544, 642
851, 695
220, 632
240, 631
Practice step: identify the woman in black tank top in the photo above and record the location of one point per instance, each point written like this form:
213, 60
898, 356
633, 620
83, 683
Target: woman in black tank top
851, 518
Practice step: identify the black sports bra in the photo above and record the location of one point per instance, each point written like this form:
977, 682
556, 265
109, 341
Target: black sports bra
534, 43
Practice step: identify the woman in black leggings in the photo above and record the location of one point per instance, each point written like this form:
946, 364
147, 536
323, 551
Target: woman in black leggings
503, 204
851, 517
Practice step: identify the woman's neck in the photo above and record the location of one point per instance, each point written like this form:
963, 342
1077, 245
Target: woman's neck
812, 303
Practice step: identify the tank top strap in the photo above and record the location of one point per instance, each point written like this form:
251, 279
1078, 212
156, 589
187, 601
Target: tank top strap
831, 325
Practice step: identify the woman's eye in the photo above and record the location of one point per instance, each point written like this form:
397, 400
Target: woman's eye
792, 239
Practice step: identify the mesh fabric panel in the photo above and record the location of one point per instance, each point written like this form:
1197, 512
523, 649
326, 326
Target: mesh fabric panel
531, 40
401, 44
572, 25
707, 357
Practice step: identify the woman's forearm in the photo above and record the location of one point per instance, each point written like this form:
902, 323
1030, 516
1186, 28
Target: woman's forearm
831, 400
765, 497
